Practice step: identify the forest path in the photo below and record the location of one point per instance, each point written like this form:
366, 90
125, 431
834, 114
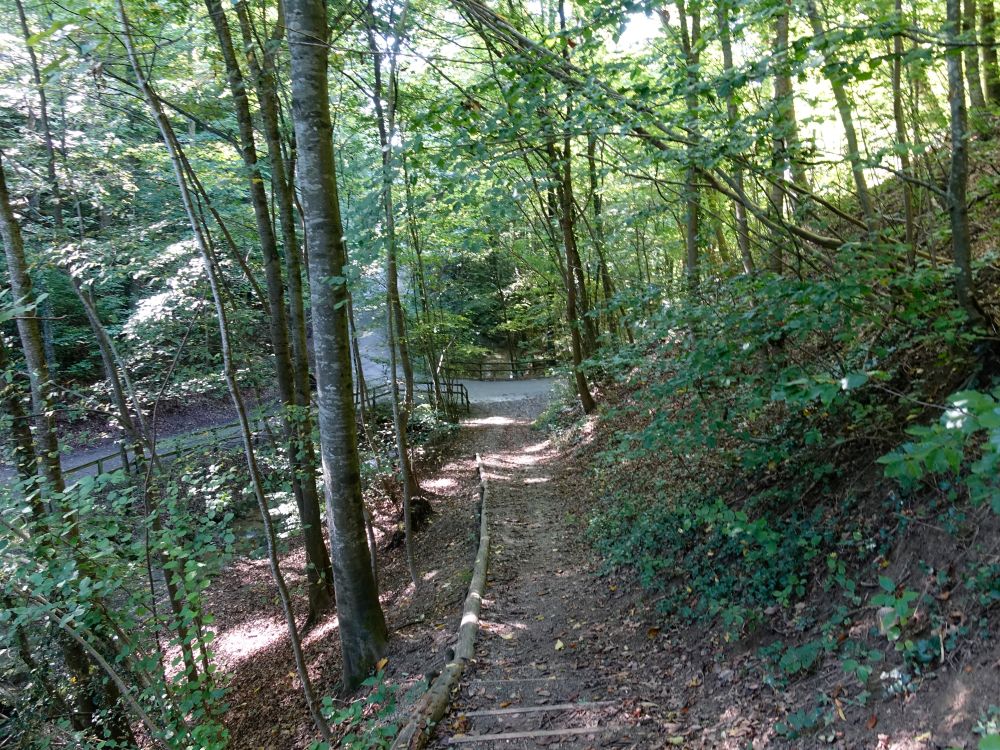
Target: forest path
552, 668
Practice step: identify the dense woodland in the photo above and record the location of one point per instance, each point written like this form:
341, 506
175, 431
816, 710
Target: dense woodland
755, 240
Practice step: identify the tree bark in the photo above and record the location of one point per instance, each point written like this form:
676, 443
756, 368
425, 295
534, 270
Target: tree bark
732, 116
45, 441
846, 112
363, 633
958, 178
318, 570
973, 78
229, 369
991, 68
902, 142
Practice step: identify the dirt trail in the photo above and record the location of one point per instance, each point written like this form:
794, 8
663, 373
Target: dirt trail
551, 668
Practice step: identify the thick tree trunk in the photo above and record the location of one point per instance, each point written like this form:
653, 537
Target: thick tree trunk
181, 175
363, 633
317, 557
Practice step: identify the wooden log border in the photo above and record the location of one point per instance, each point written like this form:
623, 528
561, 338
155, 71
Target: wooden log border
433, 704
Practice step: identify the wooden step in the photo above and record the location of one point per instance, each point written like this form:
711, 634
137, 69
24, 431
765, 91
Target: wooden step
535, 709
463, 739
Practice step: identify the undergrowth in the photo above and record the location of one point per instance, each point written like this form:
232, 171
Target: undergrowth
775, 453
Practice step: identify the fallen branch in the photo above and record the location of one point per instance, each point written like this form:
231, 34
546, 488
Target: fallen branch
431, 706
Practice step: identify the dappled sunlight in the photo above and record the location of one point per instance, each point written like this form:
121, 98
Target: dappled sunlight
537, 447
505, 630
537, 480
495, 421
441, 484
247, 639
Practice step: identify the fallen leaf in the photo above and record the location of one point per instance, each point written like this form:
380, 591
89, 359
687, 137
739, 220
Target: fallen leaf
381, 663
559, 645
872, 721
507, 636
653, 632
840, 709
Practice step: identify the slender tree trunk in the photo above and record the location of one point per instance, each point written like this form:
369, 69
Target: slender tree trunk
973, 79
902, 141
958, 209
363, 633
565, 212
430, 345
229, 368
317, 557
43, 110
837, 84
266, 88
732, 117
21, 446
597, 203
395, 321
45, 441
991, 69
690, 29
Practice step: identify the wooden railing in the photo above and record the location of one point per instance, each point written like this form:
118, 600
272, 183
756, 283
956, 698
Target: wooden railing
497, 370
178, 445
455, 395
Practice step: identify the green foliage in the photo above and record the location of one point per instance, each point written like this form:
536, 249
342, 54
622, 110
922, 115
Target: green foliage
366, 721
800, 723
963, 446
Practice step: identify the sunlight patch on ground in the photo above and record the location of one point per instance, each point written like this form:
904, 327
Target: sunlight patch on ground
491, 422
246, 639
537, 447
441, 483
537, 480
323, 629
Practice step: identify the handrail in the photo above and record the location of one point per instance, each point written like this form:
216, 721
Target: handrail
180, 444
494, 370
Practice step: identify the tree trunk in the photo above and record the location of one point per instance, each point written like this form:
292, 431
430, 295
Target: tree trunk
317, 557
46, 443
973, 78
846, 112
43, 109
690, 36
991, 68
565, 212
395, 321
363, 633
732, 116
265, 85
229, 368
903, 142
958, 209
